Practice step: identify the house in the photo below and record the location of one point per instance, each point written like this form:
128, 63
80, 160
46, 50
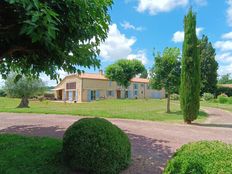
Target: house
88, 87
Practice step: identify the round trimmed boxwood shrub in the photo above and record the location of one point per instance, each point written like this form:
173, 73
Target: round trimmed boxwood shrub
203, 157
95, 145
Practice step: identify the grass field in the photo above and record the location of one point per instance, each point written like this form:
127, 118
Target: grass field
30, 155
227, 107
130, 109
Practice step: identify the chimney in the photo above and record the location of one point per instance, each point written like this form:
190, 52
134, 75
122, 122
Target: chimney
101, 72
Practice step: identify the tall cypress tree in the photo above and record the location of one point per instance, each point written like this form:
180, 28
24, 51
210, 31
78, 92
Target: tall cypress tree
190, 72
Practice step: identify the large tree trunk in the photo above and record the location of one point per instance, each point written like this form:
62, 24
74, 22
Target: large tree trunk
168, 103
24, 103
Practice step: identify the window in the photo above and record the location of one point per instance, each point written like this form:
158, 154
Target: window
71, 85
136, 93
110, 83
93, 95
142, 85
110, 93
126, 94
141, 92
135, 86
148, 86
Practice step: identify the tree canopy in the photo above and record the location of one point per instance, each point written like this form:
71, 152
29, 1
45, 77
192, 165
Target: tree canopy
209, 66
165, 72
190, 70
43, 36
124, 70
23, 88
225, 79
144, 74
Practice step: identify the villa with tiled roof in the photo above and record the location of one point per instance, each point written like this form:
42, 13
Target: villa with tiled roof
88, 87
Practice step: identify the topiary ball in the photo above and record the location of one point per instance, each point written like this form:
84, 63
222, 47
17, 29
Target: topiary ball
204, 157
95, 145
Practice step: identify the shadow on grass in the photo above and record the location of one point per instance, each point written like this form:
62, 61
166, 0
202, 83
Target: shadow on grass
149, 156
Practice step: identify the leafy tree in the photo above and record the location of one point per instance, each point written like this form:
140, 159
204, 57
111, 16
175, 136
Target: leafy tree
190, 71
43, 36
165, 72
209, 66
2, 93
225, 79
124, 70
23, 88
144, 74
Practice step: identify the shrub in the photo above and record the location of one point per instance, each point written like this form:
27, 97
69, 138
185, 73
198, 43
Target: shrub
175, 97
2, 93
201, 158
208, 96
49, 96
95, 145
41, 98
225, 90
223, 98
230, 100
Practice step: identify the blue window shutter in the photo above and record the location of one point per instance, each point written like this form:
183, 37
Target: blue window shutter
97, 94
112, 93
76, 95
89, 95
129, 94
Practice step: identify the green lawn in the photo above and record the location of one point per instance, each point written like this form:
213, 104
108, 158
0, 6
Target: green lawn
30, 155
151, 109
227, 107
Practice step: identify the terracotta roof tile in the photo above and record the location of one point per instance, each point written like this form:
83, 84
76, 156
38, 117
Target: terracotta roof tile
226, 85
102, 77
92, 76
140, 80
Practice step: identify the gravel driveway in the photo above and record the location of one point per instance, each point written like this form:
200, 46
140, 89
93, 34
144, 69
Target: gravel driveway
153, 142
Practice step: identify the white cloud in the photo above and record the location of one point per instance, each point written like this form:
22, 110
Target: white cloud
127, 25
117, 45
179, 35
199, 30
157, 6
201, 2
46, 79
223, 45
141, 55
229, 13
227, 35
224, 58
225, 69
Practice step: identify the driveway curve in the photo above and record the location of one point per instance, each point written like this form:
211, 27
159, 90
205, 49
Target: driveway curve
153, 143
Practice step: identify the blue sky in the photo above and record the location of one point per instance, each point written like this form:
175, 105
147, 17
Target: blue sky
140, 26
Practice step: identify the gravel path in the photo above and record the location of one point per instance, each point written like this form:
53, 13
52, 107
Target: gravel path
153, 143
